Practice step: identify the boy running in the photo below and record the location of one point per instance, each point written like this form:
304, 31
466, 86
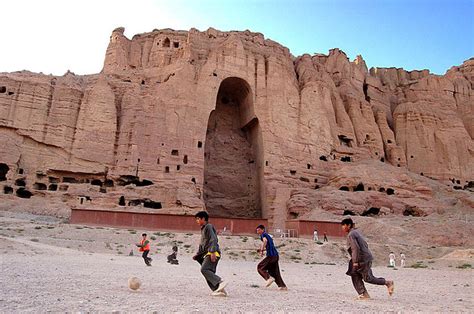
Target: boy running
361, 261
208, 255
268, 268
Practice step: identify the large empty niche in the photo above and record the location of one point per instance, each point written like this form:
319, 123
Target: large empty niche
232, 182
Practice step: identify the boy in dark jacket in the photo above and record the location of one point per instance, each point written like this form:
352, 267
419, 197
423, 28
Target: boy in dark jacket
208, 255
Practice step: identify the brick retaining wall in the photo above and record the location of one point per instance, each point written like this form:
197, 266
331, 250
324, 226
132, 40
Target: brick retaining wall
155, 221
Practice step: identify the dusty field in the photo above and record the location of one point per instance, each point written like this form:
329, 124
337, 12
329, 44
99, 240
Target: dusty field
48, 265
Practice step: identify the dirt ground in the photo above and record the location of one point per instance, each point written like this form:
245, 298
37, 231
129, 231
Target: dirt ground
50, 265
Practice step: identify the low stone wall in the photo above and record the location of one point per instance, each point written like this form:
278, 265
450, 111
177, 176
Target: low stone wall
169, 222
305, 228
155, 221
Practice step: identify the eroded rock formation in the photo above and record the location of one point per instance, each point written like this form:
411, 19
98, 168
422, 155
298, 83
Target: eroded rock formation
232, 122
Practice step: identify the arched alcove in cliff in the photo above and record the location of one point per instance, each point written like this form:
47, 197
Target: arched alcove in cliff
233, 154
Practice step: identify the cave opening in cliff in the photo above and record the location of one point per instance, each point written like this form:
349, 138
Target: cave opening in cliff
7, 189
39, 186
3, 171
23, 193
372, 211
344, 140
233, 166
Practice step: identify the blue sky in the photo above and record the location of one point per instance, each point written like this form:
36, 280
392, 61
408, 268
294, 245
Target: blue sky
52, 36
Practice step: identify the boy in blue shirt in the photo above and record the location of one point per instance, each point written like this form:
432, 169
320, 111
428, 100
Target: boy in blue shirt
268, 268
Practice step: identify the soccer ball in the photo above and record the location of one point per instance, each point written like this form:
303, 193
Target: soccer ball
134, 283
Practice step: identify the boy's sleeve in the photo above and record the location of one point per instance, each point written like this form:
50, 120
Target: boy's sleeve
355, 249
212, 236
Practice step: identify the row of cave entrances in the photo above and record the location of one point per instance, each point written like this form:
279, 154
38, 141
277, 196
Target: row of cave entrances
372, 211
360, 188
375, 211
145, 202
3, 90
122, 181
468, 186
38, 185
343, 158
20, 192
23, 192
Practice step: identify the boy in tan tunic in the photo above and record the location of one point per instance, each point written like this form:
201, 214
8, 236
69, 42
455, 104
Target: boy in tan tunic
361, 261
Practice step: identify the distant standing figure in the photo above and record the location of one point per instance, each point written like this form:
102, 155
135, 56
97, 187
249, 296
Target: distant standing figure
391, 258
208, 255
315, 235
361, 261
144, 246
402, 260
325, 237
172, 257
268, 268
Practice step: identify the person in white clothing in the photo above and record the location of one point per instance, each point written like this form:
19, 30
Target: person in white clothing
315, 235
402, 260
391, 257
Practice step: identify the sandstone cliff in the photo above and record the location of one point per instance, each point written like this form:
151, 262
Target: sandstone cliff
232, 122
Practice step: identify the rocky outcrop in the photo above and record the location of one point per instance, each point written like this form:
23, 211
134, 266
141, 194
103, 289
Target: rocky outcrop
232, 122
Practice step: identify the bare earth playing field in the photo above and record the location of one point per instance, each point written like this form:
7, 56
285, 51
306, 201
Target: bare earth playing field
47, 265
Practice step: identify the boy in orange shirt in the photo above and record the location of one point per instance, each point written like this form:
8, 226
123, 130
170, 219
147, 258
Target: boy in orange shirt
144, 246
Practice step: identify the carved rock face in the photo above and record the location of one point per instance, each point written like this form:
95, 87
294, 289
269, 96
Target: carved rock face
231, 122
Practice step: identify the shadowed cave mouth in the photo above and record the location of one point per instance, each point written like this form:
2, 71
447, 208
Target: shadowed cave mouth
7, 189
23, 193
137, 202
233, 153
125, 180
39, 186
3, 171
372, 211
